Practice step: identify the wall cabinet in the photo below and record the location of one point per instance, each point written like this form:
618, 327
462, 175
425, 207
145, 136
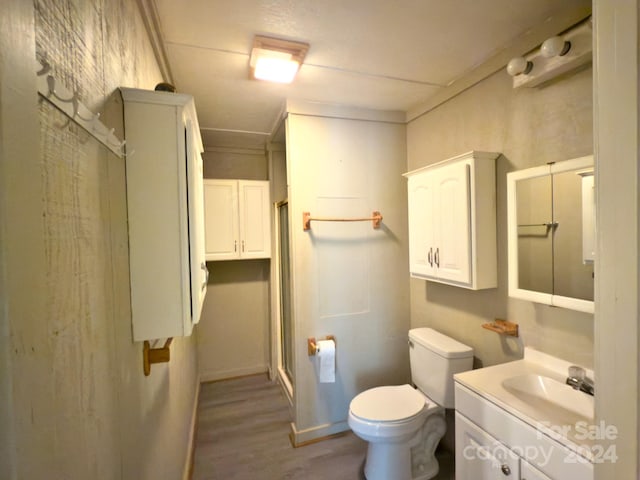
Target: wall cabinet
452, 221
237, 219
168, 271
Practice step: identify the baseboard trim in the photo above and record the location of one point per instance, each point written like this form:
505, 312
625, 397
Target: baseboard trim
307, 436
212, 376
193, 430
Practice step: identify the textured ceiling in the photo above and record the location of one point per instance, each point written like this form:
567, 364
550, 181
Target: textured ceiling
379, 54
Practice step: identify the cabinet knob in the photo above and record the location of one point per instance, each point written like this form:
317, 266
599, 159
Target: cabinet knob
505, 469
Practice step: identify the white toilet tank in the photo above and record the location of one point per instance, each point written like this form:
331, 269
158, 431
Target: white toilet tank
434, 359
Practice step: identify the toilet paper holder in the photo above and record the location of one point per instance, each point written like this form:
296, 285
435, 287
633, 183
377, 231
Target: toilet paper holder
312, 346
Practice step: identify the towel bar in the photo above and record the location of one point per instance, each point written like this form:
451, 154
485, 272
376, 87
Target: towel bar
376, 219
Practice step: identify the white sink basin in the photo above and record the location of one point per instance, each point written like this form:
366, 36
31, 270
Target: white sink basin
542, 393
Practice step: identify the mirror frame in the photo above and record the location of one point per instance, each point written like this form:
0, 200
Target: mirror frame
512, 232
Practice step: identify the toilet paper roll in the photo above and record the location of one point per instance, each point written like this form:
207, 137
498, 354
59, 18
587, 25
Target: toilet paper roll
326, 360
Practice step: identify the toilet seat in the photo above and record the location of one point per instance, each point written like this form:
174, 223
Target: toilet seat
388, 404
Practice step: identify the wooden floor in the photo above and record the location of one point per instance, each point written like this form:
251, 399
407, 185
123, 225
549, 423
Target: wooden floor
243, 434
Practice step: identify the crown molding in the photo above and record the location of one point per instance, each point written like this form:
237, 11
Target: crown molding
151, 19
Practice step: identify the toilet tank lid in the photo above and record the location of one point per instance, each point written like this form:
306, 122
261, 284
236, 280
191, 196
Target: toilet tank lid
441, 344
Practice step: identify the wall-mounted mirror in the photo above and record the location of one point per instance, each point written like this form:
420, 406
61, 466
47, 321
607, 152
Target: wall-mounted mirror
551, 228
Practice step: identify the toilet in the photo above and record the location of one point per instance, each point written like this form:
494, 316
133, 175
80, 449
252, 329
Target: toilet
403, 424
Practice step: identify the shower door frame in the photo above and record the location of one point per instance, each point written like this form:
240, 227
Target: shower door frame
286, 380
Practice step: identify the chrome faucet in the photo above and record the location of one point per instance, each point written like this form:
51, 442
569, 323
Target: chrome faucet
578, 380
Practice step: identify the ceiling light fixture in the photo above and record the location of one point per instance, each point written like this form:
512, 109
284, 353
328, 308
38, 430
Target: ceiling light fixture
555, 46
519, 65
276, 60
556, 56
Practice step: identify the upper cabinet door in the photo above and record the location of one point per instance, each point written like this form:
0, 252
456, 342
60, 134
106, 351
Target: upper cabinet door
221, 219
195, 199
422, 237
452, 221
453, 251
255, 224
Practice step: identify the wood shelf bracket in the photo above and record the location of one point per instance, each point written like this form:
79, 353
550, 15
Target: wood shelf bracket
503, 327
155, 355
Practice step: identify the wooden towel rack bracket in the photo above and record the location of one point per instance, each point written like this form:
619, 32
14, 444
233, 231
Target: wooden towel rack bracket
155, 355
376, 219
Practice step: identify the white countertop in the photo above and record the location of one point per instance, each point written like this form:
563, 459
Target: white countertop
564, 425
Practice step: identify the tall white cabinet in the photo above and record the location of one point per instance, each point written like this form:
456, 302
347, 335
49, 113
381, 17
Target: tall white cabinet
166, 213
237, 219
452, 221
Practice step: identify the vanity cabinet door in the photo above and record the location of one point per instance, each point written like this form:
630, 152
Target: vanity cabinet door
529, 472
479, 456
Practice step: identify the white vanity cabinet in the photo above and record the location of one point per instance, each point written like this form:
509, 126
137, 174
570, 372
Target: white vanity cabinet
168, 271
452, 221
520, 420
237, 221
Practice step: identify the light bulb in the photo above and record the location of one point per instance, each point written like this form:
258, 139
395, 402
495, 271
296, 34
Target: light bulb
518, 65
554, 46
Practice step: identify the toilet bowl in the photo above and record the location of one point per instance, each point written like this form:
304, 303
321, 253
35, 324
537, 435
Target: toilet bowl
403, 428
403, 424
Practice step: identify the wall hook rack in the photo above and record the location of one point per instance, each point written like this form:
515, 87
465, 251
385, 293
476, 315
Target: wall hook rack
68, 102
376, 219
155, 355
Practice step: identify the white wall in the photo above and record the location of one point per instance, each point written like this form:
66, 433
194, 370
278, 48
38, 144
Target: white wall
529, 126
349, 280
79, 405
233, 334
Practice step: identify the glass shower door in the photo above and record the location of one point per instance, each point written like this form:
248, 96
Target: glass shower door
286, 327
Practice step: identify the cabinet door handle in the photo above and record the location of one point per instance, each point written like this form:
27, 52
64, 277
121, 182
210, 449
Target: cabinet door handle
429, 257
243, 245
235, 245
505, 469
203, 266
436, 257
